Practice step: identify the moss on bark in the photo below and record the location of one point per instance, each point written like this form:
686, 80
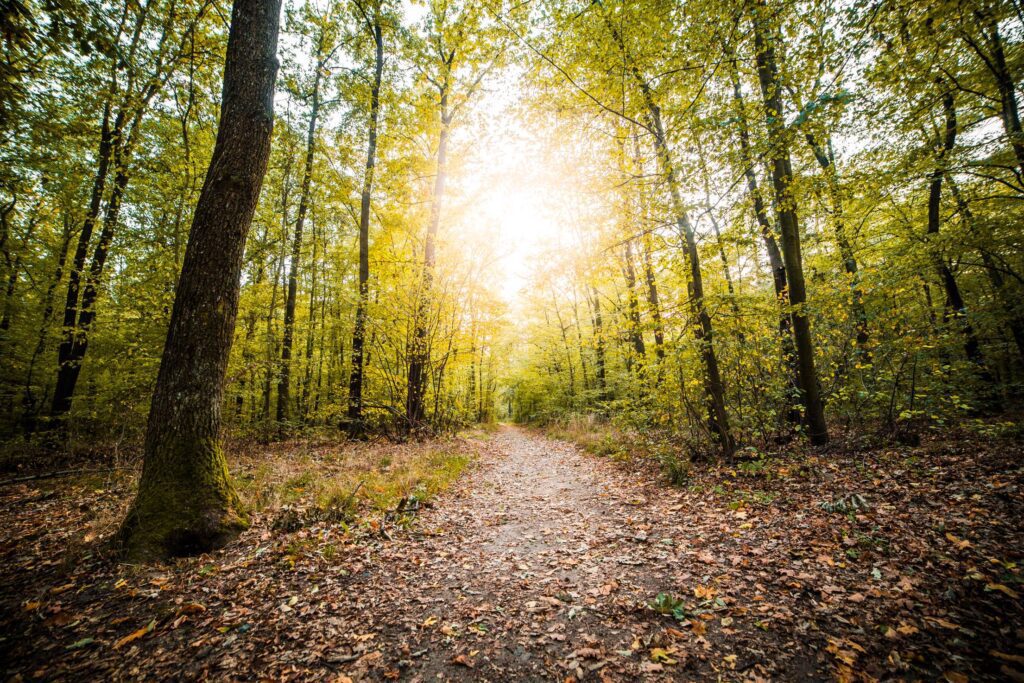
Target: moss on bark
186, 503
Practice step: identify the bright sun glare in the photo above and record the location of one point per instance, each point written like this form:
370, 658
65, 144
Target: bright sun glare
513, 195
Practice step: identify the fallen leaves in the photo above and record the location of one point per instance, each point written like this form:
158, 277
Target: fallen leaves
529, 574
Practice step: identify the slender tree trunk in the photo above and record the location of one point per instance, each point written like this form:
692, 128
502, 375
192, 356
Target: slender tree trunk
307, 377
579, 341
599, 360
419, 353
568, 348
116, 143
12, 279
654, 303
636, 336
771, 246
284, 379
74, 355
1009, 111
1014, 320
30, 403
714, 387
355, 379
826, 161
782, 179
62, 395
186, 503
954, 299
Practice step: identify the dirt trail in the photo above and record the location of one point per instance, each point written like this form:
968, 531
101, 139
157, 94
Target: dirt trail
541, 569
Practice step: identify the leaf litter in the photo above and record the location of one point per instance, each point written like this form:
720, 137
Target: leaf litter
543, 563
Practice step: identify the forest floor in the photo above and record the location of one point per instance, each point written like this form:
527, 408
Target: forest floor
542, 562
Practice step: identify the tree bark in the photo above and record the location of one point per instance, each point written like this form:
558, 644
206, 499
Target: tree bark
355, 379
288, 334
185, 502
782, 179
419, 351
955, 305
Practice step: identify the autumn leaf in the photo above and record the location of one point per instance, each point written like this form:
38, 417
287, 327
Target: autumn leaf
1002, 589
462, 660
959, 543
135, 635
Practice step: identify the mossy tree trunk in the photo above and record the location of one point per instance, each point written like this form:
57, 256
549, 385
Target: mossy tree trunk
186, 503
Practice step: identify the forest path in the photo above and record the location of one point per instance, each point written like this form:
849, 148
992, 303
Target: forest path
539, 568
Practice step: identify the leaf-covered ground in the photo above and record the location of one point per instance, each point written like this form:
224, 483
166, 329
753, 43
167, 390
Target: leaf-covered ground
545, 563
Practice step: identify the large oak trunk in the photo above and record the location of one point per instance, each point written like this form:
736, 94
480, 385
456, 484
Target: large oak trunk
186, 503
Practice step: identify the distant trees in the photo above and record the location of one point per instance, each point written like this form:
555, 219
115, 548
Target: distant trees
753, 242
842, 254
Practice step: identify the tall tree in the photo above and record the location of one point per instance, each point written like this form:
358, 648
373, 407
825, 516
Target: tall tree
186, 502
372, 21
714, 386
955, 305
782, 179
324, 46
461, 47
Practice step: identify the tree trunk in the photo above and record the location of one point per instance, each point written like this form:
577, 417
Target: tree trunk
1009, 112
284, 379
782, 179
599, 360
62, 395
73, 355
1013, 317
186, 503
30, 404
955, 305
654, 303
419, 352
703, 332
827, 163
636, 336
771, 246
355, 379
307, 377
714, 387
